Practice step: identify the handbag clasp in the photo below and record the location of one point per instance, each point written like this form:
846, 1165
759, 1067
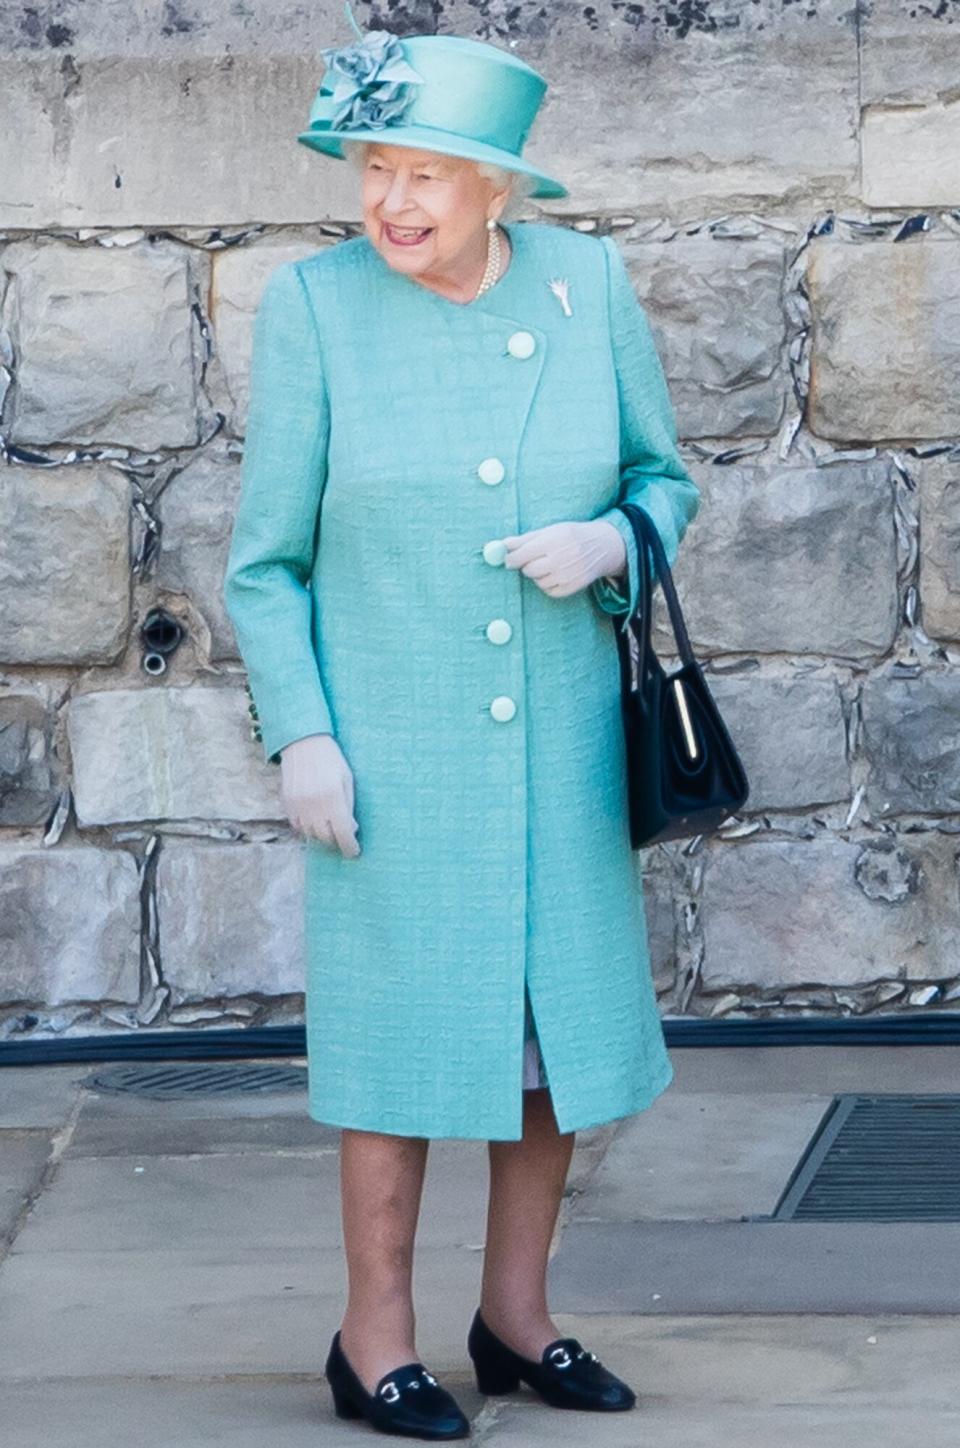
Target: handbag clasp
689, 738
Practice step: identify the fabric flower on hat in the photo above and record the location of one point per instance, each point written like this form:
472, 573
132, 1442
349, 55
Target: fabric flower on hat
371, 81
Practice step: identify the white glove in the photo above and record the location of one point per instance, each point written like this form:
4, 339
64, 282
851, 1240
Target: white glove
563, 558
317, 789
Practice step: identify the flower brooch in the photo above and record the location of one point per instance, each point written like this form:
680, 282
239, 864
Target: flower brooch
372, 80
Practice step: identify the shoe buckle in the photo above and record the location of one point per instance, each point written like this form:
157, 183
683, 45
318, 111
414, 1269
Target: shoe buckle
561, 1356
428, 1377
390, 1391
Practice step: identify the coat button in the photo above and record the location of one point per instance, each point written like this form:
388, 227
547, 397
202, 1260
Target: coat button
491, 470
503, 708
499, 631
521, 344
495, 551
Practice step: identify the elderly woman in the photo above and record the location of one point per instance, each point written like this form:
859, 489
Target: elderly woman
425, 572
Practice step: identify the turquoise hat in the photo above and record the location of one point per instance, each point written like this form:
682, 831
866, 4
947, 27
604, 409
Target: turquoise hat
444, 93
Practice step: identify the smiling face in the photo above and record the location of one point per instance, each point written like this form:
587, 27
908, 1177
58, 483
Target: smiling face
426, 213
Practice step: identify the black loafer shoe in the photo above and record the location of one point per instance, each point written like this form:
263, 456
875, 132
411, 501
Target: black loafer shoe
407, 1400
567, 1375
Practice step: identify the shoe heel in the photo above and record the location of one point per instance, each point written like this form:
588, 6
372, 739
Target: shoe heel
343, 1406
496, 1381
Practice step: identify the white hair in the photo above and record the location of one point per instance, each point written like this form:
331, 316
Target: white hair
520, 182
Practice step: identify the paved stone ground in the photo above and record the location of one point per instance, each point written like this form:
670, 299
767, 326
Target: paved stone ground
172, 1274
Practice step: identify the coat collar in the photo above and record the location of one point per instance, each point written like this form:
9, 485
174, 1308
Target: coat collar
505, 292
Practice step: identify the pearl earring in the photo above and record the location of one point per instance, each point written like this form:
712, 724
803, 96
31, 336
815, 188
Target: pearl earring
491, 222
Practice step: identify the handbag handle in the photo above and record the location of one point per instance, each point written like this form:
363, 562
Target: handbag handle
646, 532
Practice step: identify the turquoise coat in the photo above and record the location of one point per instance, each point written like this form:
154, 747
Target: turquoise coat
393, 433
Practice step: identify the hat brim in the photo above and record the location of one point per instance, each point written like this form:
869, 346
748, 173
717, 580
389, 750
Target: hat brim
427, 138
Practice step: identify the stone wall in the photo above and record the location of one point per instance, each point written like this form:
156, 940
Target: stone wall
784, 180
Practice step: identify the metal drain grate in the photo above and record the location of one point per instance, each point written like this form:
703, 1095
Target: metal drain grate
884, 1158
170, 1080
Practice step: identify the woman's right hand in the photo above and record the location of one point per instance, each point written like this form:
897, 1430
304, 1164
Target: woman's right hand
317, 789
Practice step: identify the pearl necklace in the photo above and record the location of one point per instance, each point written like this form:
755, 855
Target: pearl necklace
491, 271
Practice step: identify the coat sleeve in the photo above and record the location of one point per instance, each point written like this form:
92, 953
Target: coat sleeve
651, 471
266, 583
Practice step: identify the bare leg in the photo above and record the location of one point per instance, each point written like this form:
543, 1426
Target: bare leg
381, 1181
527, 1179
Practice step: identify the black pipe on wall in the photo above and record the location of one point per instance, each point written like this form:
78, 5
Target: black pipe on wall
922, 1028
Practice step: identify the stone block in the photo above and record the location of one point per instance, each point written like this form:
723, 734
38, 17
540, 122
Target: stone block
197, 1313
103, 342
885, 338
799, 560
790, 735
758, 1271
911, 154
700, 107
940, 546
908, 53
189, 1204
697, 290
168, 752
911, 735
64, 565
829, 912
69, 925
721, 1166
231, 919
40, 1096
212, 139
31, 776
23, 1158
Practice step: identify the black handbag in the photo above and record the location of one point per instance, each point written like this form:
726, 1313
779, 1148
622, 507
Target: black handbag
684, 776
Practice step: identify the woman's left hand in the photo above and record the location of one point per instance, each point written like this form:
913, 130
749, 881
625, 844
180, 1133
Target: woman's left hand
563, 558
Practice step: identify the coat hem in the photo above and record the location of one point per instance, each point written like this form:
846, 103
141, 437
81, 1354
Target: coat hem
641, 1103
351, 1121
